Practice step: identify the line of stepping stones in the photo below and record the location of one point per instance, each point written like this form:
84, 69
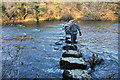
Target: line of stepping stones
73, 64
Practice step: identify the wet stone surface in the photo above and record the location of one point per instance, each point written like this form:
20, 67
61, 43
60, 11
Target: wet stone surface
72, 63
59, 43
72, 53
69, 47
76, 74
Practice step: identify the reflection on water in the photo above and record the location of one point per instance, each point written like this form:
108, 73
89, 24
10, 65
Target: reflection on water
29, 48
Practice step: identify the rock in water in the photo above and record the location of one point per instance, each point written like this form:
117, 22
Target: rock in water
68, 41
56, 48
67, 38
76, 74
95, 61
68, 47
58, 43
72, 63
72, 53
62, 39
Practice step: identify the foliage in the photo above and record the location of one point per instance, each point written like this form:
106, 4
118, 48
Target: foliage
55, 10
3, 9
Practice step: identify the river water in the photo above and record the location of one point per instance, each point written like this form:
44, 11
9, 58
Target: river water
29, 50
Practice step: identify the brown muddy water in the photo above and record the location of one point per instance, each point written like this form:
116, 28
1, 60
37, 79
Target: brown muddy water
29, 50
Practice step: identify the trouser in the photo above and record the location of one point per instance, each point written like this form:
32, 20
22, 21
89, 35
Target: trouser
67, 30
73, 38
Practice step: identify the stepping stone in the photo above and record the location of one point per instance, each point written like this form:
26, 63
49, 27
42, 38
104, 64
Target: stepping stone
72, 63
76, 74
69, 47
58, 43
62, 39
68, 41
72, 53
68, 35
56, 48
67, 38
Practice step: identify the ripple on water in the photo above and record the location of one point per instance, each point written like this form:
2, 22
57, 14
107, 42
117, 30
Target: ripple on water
98, 38
52, 70
101, 74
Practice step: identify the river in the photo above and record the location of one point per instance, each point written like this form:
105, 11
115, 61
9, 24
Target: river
29, 50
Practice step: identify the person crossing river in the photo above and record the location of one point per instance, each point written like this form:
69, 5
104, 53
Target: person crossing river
73, 32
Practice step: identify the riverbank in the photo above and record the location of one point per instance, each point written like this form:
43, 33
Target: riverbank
43, 11
34, 21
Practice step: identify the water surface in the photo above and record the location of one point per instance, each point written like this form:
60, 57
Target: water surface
29, 49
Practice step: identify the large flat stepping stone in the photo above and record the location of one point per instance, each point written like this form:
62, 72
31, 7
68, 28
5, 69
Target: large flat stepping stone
67, 38
76, 74
72, 63
72, 53
69, 41
69, 47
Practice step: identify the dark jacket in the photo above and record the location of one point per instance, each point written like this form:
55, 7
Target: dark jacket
73, 28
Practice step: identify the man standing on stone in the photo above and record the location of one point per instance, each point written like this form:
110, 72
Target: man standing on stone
73, 32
